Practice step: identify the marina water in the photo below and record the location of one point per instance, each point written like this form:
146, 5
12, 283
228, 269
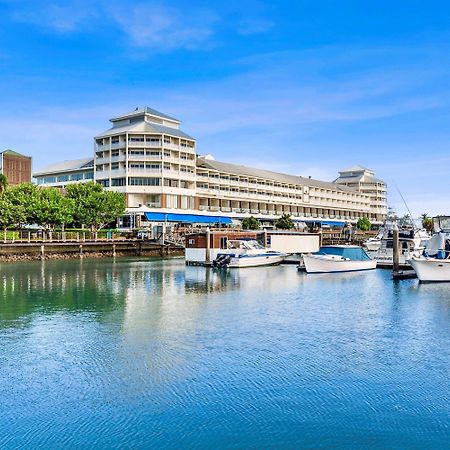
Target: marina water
144, 353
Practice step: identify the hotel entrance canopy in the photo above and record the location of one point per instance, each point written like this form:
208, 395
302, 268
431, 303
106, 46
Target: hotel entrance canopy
185, 218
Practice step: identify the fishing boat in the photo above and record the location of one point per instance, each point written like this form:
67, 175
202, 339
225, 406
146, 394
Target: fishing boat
412, 243
338, 258
246, 253
434, 263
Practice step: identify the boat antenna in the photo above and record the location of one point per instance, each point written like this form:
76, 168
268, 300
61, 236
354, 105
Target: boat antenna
407, 208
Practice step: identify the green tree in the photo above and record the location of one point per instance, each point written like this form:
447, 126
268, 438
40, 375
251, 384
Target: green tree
93, 206
10, 214
250, 223
24, 197
285, 222
363, 224
3, 183
53, 208
427, 222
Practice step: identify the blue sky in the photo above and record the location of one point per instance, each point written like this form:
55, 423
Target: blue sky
305, 87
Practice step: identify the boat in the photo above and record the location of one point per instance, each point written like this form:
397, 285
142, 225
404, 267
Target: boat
434, 263
247, 253
338, 258
374, 243
412, 243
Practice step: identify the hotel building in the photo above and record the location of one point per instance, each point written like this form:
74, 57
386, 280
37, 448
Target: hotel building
146, 156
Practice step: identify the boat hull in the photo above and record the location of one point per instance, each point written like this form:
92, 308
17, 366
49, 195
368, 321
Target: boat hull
431, 269
319, 264
255, 261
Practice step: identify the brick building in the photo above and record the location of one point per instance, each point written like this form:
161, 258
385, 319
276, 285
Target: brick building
16, 167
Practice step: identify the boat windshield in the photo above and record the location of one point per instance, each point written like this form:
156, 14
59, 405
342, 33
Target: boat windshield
244, 245
353, 253
442, 223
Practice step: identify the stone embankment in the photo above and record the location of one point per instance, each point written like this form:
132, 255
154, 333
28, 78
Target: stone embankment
23, 251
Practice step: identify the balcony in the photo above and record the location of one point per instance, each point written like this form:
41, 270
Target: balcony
157, 143
118, 145
135, 144
171, 146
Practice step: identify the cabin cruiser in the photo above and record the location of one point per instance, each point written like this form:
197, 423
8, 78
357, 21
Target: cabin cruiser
338, 258
434, 263
412, 243
374, 243
247, 253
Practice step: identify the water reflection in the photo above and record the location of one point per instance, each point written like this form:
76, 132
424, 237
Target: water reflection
122, 353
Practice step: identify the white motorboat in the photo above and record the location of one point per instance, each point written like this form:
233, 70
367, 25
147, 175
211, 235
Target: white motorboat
338, 258
247, 253
412, 243
434, 264
431, 269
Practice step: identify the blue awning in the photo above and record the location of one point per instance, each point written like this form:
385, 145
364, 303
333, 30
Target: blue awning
331, 223
185, 218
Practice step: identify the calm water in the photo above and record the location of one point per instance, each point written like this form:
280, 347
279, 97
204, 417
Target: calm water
153, 354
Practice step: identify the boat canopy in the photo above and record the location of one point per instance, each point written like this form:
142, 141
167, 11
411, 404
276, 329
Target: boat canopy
353, 253
438, 246
185, 218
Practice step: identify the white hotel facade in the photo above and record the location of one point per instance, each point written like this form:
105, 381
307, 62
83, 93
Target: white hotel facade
147, 157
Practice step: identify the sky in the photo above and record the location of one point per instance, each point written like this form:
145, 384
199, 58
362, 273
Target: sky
303, 87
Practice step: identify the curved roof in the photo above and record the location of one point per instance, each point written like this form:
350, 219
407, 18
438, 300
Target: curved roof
66, 166
145, 127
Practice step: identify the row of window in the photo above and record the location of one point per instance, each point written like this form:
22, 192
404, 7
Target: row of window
66, 178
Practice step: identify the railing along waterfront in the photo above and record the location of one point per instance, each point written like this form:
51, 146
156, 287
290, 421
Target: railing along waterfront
11, 237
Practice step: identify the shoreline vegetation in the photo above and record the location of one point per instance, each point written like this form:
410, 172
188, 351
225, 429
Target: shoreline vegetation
82, 205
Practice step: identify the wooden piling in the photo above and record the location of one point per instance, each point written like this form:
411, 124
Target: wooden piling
208, 247
396, 249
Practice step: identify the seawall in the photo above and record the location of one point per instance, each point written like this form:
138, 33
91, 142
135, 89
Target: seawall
63, 250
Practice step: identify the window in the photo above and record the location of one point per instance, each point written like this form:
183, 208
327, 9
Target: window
223, 242
144, 181
76, 177
104, 183
63, 178
118, 182
89, 176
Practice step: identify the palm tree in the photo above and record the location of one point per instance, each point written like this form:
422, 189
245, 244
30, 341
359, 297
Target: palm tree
3, 183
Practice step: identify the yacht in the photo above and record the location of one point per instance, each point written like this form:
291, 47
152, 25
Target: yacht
338, 258
246, 253
434, 263
412, 243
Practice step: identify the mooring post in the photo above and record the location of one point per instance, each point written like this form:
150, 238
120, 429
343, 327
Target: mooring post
208, 247
395, 249
42, 251
81, 250
114, 249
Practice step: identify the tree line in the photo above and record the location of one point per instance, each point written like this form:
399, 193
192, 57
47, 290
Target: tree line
83, 205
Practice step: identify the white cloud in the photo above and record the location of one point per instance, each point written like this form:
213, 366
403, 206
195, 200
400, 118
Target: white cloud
163, 28
62, 16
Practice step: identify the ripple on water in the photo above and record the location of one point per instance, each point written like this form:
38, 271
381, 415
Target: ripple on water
139, 354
